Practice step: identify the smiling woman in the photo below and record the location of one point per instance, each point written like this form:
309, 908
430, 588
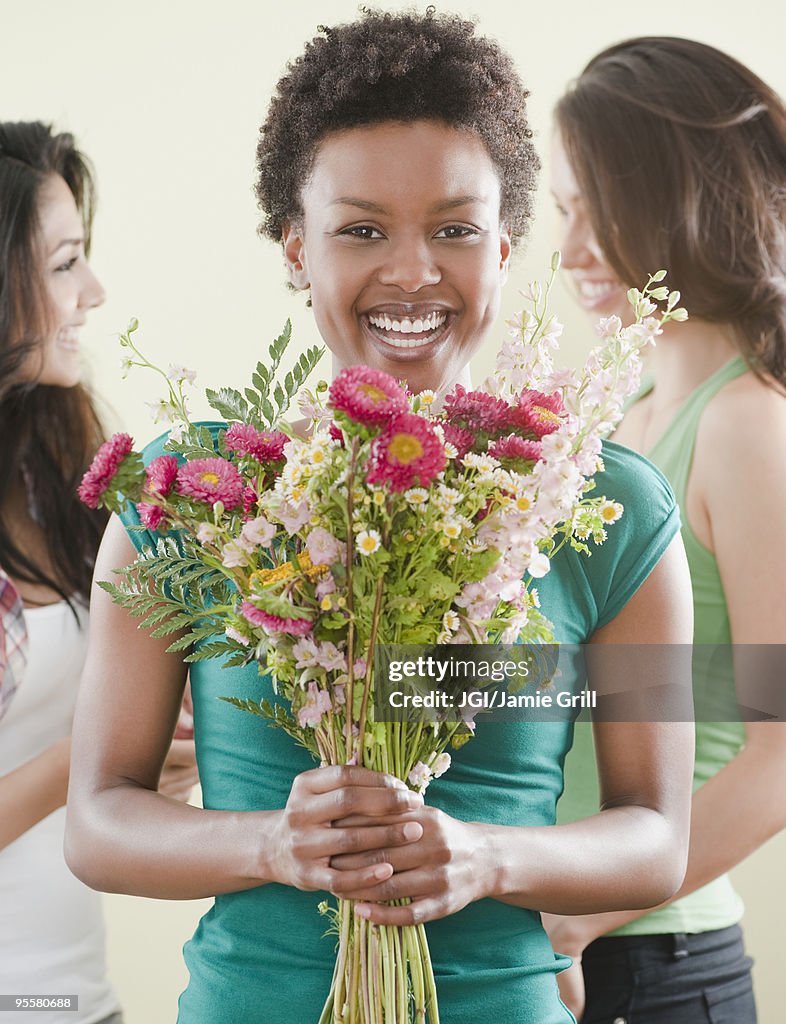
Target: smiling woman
412, 253
396, 170
51, 926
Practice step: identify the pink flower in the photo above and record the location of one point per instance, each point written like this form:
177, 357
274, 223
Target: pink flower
258, 532
331, 658
211, 480
250, 499
367, 396
323, 548
264, 446
317, 704
325, 586
516, 448
293, 518
275, 623
461, 439
406, 453
150, 516
536, 413
337, 434
103, 469
475, 410
161, 474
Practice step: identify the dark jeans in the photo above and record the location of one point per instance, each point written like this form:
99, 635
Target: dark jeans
669, 979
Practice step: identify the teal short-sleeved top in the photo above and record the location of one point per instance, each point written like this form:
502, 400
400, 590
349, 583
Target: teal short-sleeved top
261, 955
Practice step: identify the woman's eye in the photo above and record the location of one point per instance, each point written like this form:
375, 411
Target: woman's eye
456, 231
561, 210
362, 231
67, 265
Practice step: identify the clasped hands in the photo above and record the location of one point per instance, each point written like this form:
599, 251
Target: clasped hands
365, 836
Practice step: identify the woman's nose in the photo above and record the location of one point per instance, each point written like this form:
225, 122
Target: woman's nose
92, 293
576, 243
409, 266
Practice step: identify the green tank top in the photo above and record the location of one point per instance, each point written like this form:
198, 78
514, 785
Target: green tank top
715, 905
261, 956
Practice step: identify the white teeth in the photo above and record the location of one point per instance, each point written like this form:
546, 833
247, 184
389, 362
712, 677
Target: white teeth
593, 289
432, 323
406, 325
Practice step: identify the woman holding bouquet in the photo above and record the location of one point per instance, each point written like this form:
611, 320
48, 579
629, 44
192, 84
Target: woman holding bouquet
671, 153
51, 926
395, 167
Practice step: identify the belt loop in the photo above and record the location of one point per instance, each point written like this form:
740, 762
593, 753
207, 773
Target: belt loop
680, 946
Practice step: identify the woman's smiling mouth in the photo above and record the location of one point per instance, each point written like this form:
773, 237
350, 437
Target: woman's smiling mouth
407, 331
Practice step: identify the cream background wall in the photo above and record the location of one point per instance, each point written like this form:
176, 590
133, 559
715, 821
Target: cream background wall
166, 98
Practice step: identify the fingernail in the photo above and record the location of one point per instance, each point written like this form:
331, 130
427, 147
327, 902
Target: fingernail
362, 910
382, 871
411, 830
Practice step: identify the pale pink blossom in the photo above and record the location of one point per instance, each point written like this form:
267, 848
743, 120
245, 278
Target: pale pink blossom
324, 548
317, 704
258, 532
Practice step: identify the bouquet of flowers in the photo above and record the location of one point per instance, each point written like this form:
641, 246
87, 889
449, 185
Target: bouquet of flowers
389, 521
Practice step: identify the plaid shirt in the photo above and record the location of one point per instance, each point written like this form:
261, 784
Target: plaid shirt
13, 641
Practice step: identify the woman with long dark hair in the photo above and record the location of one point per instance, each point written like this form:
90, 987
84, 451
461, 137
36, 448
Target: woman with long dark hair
51, 929
669, 153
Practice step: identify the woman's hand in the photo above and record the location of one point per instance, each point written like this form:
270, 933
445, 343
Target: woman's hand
447, 868
566, 938
342, 811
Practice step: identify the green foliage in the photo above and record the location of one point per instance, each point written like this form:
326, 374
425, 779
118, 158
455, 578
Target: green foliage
277, 715
256, 405
171, 592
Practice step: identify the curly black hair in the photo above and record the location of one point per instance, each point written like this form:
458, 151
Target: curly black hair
396, 67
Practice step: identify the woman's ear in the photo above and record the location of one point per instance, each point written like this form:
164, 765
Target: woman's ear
294, 246
505, 248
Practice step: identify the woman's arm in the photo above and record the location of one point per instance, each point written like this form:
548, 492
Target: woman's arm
123, 836
630, 854
744, 497
33, 790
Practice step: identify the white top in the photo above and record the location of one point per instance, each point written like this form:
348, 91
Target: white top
51, 925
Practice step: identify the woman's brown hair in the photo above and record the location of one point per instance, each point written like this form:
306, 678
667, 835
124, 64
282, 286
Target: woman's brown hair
48, 435
680, 153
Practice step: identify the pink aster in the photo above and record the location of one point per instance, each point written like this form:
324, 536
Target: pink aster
461, 438
150, 516
264, 446
211, 480
161, 475
367, 396
536, 413
406, 454
103, 469
515, 447
275, 623
475, 410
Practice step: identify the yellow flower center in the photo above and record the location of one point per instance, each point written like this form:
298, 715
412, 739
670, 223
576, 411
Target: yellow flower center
405, 448
209, 478
546, 415
264, 577
373, 393
609, 513
522, 504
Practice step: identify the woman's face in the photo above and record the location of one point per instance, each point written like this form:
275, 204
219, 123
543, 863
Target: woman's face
599, 290
71, 285
402, 248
